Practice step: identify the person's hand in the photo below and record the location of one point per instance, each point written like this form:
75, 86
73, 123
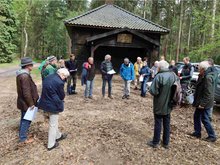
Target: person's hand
200, 107
181, 78
89, 66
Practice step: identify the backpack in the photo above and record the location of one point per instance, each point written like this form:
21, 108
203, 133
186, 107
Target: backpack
176, 92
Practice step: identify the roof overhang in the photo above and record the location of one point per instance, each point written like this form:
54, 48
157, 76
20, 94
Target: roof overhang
110, 33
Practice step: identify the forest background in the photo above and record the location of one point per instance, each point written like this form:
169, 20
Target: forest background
36, 27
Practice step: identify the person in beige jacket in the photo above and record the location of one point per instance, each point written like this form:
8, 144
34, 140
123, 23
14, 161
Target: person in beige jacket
137, 67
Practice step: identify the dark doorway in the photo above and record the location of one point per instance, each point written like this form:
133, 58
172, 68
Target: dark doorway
118, 54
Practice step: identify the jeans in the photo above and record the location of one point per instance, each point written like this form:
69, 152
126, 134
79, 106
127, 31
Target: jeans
144, 87
109, 86
89, 88
127, 87
202, 115
73, 78
210, 113
157, 129
54, 132
24, 126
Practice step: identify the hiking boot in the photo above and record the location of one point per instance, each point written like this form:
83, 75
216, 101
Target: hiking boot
90, 97
195, 135
128, 97
55, 146
166, 146
151, 144
210, 139
110, 96
124, 97
63, 136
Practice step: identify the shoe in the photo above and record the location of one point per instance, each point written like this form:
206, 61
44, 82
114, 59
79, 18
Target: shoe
210, 139
110, 96
104, 97
195, 135
124, 97
128, 97
55, 145
90, 97
63, 136
151, 144
74, 93
28, 141
166, 146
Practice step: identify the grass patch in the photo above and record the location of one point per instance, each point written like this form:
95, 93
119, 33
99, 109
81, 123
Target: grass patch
15, 62
36, 73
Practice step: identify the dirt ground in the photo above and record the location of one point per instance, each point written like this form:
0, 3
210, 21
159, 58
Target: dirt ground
102, 131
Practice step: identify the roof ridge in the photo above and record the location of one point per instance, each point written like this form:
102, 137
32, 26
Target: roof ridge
88, 12
141, 17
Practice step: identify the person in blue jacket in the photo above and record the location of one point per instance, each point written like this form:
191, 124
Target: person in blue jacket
145, 73
52, 102
127, 74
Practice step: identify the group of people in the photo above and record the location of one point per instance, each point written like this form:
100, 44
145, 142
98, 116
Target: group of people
162, 74
161, 90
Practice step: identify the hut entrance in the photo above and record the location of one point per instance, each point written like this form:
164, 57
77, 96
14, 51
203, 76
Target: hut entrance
118, 54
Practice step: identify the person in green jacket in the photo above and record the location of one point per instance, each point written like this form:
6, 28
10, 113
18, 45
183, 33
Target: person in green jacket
51, 68
161, 90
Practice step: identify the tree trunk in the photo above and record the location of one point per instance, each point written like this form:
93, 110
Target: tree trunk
189, 33
213, 18
180, 30
26, 35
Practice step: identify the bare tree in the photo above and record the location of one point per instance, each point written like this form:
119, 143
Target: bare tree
180, 30
213, 18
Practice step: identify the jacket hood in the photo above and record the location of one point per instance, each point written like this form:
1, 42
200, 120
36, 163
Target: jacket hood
168, 77
21, 71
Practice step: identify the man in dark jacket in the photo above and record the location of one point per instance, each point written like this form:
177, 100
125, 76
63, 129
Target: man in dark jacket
203, 101
27, 96
161, 90
145, 73
212, 68
72, 66
90, 67
52, 102
173, 68
185, 76
106, 66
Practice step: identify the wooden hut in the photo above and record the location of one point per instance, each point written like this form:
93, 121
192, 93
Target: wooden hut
112, 30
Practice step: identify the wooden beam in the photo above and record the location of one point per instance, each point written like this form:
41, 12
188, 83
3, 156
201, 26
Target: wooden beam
140, 35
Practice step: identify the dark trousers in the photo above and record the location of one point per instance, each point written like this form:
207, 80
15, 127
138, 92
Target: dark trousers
109, 86
158, 119
71, 78
24, 126
202, 115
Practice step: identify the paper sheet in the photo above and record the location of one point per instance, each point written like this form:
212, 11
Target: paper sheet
30, 114
111, 71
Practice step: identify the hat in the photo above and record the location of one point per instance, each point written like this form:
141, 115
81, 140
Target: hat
26, 61
51, 58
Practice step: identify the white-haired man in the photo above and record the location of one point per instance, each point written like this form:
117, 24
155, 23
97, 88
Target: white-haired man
137, 67
203, 101
52, 102
161, 90
154, 69
106, 66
